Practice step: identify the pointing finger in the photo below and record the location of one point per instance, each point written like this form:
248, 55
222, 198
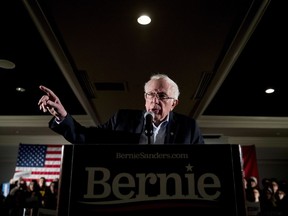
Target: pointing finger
48, 91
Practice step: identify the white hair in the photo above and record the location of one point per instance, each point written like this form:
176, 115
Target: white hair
173, 87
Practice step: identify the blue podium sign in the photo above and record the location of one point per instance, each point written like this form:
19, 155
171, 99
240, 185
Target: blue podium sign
144, 179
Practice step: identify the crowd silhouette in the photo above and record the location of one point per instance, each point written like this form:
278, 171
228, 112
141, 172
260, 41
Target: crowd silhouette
25, 199
269, 198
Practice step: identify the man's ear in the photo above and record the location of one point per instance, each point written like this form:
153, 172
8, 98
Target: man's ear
174, 104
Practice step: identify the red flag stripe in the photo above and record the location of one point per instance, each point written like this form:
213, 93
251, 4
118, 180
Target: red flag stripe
52, 166
46, 173
53, 159
54, 152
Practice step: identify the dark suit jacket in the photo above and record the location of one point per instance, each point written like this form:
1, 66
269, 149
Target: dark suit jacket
126, 126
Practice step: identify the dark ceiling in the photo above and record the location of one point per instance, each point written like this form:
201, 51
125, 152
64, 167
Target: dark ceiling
261, 65
22, 44
223, 54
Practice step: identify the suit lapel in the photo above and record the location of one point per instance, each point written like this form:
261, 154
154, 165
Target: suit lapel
172, 129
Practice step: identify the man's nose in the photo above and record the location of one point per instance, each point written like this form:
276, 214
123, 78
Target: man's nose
155, 99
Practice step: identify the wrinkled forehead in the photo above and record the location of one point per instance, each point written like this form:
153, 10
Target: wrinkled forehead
157, 85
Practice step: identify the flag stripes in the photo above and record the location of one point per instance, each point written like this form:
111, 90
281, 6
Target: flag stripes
37, 160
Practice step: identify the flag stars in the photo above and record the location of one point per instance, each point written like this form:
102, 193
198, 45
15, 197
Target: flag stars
189, 167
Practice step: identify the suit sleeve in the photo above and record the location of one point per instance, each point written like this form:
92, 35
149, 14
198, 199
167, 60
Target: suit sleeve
75, 133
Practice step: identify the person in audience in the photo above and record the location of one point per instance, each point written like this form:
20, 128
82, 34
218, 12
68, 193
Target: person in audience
252, 182
51, 196
16, 200
33, 200
268, 201
265, 183
128, 126
274, 185
282, 200
42, 184
3, 207
253, 201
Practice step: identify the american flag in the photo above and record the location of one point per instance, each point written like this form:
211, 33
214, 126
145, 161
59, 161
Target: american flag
37, 160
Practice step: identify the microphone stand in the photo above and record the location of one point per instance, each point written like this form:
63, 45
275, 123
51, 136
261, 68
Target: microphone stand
149, 133
148, 125
149, 139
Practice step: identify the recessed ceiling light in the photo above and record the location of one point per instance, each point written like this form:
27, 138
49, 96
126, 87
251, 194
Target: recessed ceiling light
269, 90
6, 64
20, 89
144, 20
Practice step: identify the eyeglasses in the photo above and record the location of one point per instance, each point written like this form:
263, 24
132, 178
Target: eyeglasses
160, 96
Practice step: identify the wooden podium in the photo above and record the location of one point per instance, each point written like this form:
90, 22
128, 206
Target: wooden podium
145, 179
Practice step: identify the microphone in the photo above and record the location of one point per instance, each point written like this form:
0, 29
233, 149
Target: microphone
149, 116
